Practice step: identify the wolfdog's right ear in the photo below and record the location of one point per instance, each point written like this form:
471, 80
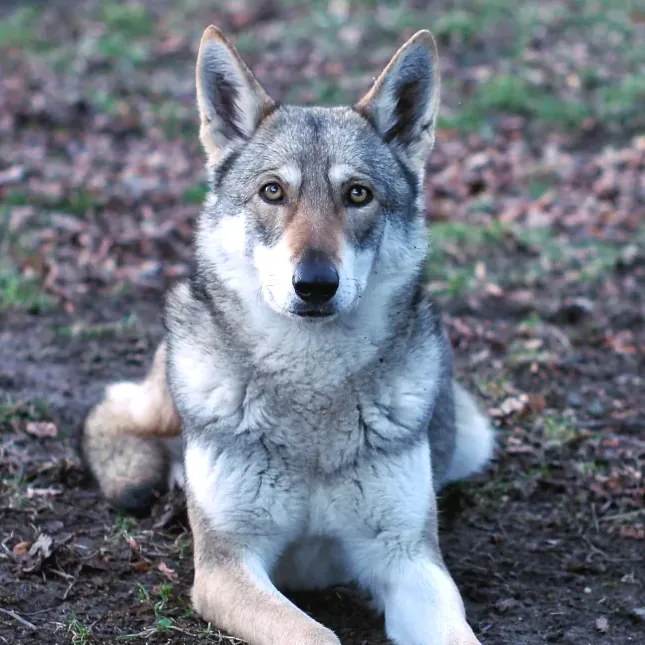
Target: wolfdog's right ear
231, 101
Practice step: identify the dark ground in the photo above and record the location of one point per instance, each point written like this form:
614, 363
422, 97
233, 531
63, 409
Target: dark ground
537, 203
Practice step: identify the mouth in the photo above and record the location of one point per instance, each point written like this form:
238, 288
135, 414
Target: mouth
316, 314
309, 313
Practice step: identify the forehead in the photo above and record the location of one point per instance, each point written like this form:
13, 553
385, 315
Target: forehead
315, 139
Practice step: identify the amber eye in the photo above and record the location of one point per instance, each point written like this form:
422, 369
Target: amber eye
358, 195
272, 192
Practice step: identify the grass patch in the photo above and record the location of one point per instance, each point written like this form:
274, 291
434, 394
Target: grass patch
462, 234
132, 20
19, 28
174, 119
124, 524
559, 429
506, 93
623, 102
457, 26
20, 292
119, 46
128, 326
78, 632
456, 247
13, 413
449, 276
195, 194
513, 94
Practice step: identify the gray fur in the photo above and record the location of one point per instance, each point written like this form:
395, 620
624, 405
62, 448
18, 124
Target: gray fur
315, 448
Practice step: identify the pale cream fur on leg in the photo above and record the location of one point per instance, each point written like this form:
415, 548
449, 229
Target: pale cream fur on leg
233, 591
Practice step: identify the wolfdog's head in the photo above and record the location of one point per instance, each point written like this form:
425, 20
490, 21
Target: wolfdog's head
313, 208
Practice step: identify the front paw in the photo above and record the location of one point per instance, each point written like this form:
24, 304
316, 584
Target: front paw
424, 607
437, 634
462, 635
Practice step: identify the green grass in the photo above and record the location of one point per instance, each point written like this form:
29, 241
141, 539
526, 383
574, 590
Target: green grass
143, 594
174, 119
461, 233
611, 98
559, 429
132, 20
124, 524
128, 326
14, 412
457, 26
78, 632
512, 94
119, 47
456, 247
623, 101
20, 292
446, 276
161, 606
195, 194
18, 29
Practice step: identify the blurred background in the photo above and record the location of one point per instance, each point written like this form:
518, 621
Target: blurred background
101, 169
536, 200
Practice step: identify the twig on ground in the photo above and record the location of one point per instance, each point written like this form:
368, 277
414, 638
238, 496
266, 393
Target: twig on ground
20, 619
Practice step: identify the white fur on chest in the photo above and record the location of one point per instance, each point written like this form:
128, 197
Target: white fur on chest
313, 520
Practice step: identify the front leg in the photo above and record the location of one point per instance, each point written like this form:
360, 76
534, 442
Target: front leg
238, 533
397, 557
423, 605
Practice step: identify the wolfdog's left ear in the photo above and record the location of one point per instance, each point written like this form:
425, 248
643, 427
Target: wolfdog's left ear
404, 100
231, 101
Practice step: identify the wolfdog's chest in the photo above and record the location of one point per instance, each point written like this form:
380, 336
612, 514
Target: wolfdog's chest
323, 424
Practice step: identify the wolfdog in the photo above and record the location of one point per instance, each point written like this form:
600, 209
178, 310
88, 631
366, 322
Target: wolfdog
304, 367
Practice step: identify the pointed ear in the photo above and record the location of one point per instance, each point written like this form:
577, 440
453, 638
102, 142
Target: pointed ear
404, 101
231, 102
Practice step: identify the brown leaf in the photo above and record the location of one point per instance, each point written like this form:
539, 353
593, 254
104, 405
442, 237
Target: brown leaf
41, 428
171, 574
536, 402
632, 532
142, 566
21, 548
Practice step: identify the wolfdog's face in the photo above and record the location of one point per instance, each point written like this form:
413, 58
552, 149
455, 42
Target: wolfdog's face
304, 197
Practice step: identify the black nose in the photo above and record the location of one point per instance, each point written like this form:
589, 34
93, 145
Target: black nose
315, 279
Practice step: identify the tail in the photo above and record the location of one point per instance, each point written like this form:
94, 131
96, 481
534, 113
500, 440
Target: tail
130, 440
475, 443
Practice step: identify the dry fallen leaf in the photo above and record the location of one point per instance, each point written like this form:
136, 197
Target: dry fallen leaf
171, 574
134, 545
142, 566
41, 428
42, 546
602, 624
21, 548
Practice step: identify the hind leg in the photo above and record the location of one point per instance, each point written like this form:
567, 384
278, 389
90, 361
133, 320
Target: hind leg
126, 439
